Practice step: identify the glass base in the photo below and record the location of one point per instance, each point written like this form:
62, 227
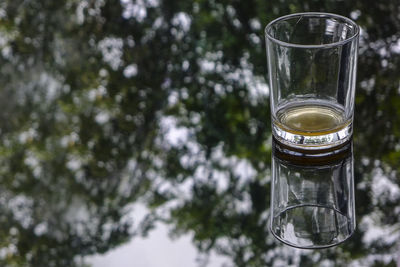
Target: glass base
312, 141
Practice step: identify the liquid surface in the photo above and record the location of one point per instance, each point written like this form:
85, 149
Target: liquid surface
313, 119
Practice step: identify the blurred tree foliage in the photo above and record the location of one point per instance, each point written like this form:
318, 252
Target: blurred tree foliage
107, 102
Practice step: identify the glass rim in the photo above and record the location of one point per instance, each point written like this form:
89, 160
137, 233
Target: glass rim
333, 244
313, 14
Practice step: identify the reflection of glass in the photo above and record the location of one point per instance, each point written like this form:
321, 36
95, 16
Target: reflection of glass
312, 59
312, 201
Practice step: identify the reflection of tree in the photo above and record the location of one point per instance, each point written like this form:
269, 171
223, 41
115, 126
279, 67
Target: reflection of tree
76, 133
208, 212
93, 90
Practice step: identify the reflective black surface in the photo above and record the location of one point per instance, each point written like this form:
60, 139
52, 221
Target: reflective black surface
106, 104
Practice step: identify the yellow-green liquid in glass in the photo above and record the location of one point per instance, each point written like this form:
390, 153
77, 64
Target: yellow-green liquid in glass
311, 119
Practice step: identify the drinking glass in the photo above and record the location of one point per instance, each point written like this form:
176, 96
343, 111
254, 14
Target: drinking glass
312, 62
312, 198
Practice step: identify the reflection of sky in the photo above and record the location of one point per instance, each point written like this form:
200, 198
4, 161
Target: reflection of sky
156, 250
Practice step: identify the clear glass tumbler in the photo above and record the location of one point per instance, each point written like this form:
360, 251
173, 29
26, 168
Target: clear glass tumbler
312, 62
312, 203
